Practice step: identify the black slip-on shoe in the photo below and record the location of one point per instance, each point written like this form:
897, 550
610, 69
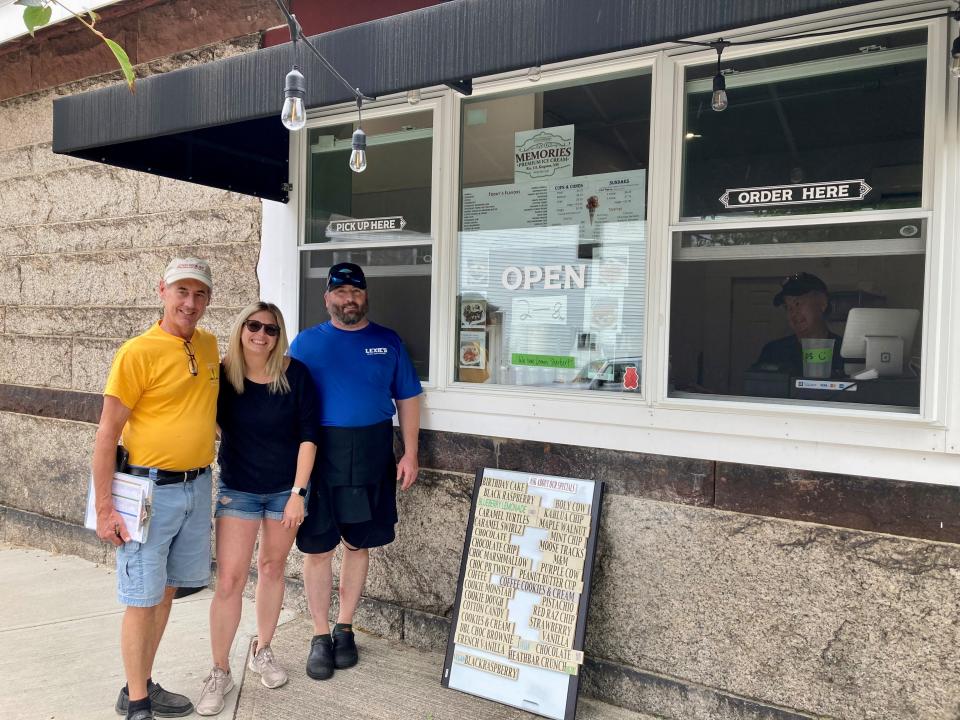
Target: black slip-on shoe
164, 702
344, 649
320, 661
141, 715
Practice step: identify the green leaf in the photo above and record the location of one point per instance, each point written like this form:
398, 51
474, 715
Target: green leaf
124, 61
93, 17
35, 17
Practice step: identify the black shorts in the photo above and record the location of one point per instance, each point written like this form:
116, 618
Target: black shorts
353, 490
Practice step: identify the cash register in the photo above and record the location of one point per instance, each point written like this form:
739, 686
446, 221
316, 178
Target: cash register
875, 349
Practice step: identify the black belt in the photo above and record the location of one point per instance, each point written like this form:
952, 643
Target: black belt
166, 477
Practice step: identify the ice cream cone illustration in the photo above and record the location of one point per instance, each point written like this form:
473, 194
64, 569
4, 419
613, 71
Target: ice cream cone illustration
593, 202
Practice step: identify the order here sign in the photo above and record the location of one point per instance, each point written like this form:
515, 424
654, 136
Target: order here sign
800, 194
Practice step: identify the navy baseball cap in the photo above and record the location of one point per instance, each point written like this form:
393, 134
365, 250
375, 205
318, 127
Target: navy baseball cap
346, 274
797, 285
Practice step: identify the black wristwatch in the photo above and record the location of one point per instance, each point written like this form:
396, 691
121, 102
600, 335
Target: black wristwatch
302, 492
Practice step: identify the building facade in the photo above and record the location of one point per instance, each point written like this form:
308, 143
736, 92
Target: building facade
584, 258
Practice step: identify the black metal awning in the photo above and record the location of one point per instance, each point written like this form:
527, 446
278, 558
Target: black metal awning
218, 124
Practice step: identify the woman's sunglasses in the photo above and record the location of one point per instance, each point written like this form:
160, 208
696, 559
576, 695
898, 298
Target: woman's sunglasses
256, 326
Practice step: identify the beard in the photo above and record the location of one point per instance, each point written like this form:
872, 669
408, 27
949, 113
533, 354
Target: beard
350, 313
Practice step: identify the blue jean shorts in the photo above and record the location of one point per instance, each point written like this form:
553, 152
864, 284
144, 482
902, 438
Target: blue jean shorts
177, 550
250, 506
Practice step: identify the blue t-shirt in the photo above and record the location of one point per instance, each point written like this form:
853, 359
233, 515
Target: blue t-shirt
358, 373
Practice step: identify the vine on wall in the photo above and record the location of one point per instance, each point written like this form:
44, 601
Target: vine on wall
37, 14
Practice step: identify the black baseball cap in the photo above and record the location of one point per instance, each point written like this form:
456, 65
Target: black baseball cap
346, 274
799, 284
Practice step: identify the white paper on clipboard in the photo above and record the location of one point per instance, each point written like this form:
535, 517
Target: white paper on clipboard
132, 498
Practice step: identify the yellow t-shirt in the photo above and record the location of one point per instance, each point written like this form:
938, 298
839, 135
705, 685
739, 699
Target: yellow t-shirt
173, 416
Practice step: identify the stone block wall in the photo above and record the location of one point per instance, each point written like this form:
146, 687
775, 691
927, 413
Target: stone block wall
721, 591
82, 249
700, 613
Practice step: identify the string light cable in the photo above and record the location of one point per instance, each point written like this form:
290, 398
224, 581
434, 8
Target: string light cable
719, 101
294, 116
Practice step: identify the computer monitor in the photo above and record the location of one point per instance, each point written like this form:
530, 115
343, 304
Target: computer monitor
879, 339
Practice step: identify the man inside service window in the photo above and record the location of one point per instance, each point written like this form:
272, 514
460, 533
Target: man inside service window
363, 376
805, 298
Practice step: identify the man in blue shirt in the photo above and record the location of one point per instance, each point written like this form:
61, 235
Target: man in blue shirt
361, 370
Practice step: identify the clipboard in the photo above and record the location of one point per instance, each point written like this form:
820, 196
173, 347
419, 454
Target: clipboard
132, 498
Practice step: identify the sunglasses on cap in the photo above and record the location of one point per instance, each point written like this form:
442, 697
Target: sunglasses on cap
346, 274
256, 326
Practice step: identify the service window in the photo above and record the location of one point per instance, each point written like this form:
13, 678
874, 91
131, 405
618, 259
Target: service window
831, 128
819, 310
553, 242
379, 219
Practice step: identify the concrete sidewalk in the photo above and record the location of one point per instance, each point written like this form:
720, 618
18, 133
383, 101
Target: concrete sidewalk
60, 631
392, 682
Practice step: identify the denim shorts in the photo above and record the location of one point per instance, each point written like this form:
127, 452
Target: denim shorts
177, 550
250, 506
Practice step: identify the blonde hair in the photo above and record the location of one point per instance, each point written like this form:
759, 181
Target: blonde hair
233, 361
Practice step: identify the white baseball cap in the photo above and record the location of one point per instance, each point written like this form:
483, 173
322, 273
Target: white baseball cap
188, 268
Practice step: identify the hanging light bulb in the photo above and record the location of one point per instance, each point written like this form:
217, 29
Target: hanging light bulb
358, 157
955, 58
414, 96
533, 74
719, 99
294, 114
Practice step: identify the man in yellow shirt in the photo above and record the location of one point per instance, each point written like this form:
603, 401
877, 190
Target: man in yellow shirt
161, 398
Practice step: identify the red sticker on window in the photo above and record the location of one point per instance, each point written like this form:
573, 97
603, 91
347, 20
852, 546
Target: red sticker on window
631, 380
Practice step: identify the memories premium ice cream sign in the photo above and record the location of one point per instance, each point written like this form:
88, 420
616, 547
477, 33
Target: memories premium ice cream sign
800, 194
546, 153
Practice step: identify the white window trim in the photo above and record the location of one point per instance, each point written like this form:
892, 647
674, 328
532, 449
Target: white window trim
281, 223
836, 439
932, 360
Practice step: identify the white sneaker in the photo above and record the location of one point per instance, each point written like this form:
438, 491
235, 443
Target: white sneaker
218, 683
263, 662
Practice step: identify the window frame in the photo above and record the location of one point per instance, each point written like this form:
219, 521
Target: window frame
341, 116
933, 138
842, 439
576, 73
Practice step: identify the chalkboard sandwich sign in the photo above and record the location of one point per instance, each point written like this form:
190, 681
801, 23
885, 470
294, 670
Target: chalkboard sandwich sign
520, 615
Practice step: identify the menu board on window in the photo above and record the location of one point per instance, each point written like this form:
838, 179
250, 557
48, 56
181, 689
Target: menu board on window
561, 266
518, 624
588, 201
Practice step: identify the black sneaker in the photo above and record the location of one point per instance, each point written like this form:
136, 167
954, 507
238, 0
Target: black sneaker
344, 649
164, 702
320, 661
